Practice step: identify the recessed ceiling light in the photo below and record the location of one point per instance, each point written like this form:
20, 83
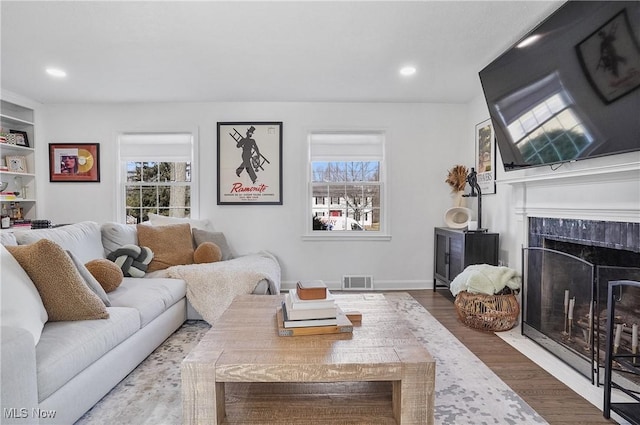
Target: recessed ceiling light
529, 41
407, 71
56, 72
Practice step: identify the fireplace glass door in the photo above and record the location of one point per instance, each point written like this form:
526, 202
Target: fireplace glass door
558, 304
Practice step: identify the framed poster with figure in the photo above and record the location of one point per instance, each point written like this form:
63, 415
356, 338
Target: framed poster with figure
249, 163
74, 162
610, 58
486, 157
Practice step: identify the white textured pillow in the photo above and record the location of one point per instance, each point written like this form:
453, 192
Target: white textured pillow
21, 305
117, 235
8, 239
83, 239
161, 220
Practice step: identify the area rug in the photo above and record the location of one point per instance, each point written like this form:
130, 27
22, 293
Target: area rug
467, 391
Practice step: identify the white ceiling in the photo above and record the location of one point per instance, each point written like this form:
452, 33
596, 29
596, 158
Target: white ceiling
343, 51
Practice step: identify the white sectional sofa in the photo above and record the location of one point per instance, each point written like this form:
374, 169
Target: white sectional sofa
75, 363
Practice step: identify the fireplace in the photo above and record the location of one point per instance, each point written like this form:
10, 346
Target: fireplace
567, 267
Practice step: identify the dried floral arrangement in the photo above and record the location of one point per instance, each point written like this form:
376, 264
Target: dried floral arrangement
457, 178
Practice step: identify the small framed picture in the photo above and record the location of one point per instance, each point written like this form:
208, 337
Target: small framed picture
74, 162
21, 138
610, 58
17, 164
486, 157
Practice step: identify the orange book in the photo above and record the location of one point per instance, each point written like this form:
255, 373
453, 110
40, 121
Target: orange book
311, 290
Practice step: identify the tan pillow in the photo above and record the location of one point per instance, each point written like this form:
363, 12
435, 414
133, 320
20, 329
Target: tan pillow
207, 252
171, 245
64, 294
106, 272
218, 238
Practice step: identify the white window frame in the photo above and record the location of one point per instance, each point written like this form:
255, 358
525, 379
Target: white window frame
157, 147
368, 153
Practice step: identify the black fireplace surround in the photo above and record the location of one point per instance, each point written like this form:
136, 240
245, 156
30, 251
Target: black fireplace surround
568, 263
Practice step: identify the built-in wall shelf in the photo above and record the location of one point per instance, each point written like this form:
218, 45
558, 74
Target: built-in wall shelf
20, 118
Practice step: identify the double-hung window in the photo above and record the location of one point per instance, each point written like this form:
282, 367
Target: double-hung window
157, 176
347, 184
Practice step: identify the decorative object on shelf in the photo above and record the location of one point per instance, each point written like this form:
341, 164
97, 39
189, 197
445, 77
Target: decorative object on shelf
457, 216
19, 184
17, 164
249, 163
74, 162
486, 157
476, 192
11, 139
21, 138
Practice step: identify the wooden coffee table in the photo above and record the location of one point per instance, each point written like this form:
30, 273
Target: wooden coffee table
244, 346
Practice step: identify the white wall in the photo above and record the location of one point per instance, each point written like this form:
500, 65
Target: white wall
423, 142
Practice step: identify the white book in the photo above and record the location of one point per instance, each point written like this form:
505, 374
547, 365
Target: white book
311, 313
287, 323
297, 303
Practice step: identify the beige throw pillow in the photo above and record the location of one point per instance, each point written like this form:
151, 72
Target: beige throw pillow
64, 294
171, 245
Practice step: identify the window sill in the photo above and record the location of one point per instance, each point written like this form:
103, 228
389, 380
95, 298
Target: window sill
345, 236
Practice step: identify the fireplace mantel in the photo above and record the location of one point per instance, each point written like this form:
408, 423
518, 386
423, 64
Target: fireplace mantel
606, 192
626, 171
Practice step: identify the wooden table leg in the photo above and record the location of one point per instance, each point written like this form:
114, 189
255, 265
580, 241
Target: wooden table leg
414, 395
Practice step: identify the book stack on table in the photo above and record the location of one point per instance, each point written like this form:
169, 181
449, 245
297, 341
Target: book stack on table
311, 309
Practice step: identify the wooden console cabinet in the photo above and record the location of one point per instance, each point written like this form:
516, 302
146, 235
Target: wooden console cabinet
456, 249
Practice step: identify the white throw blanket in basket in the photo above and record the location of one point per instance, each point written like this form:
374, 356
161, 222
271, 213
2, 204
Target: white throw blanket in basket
485, 279
212, 286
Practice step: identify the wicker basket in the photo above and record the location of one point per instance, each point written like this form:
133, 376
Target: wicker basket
492, 313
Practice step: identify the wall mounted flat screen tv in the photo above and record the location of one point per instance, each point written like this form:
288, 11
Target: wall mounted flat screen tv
570, 89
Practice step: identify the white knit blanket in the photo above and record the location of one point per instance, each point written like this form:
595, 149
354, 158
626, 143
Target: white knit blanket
485, 279
212, 286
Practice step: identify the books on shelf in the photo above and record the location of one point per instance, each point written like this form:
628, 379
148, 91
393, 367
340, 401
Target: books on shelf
311, 290
297, 303
343, 326
8, 196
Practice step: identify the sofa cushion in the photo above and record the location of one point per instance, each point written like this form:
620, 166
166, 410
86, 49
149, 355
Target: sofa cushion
172, 245
218, 238
64, 294
8, 239
207, 252
67, 348
106, 272
161, 220
91, 281
116, 235
151, 297
83, 239
21, 304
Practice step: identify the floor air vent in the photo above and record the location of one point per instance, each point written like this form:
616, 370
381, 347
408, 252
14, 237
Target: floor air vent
357, 283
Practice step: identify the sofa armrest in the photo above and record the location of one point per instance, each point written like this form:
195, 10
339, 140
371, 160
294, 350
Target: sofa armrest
18, 379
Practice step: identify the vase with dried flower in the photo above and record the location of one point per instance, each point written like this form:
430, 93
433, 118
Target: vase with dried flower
457, 179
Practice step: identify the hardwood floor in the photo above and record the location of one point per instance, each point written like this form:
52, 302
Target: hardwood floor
552, 399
